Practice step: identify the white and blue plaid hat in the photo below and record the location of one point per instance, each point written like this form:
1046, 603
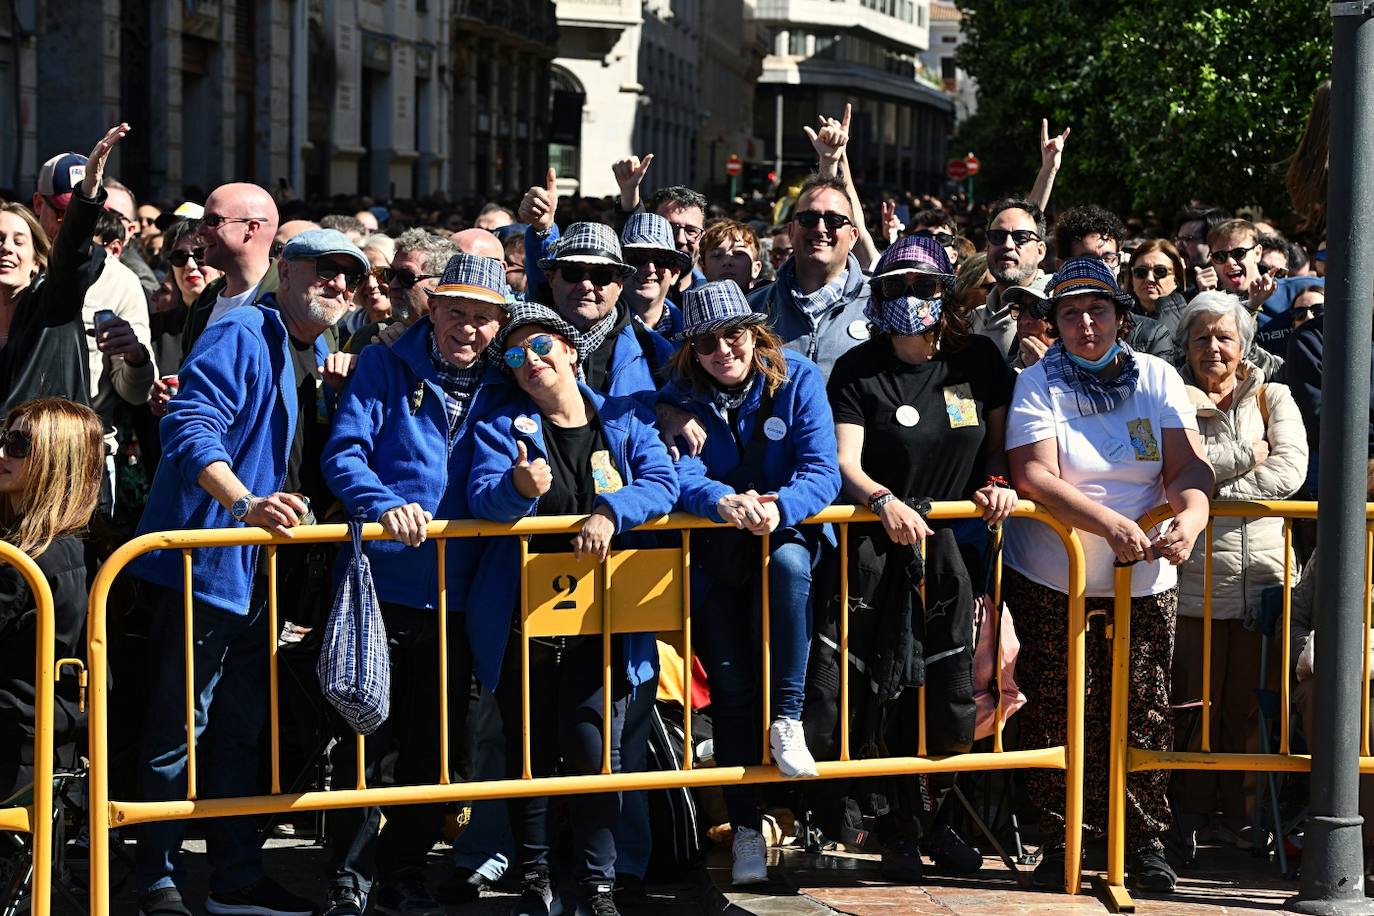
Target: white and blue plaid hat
588, 243
715, 306
651, 232
523, 314
471, 276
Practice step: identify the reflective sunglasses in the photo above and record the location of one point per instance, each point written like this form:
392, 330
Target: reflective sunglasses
1018, 236
540, 345
943, 238
400, 278
16, 443
179, 257
810, 219
600, 274
1233, 254
922, 286
706, 344
1159, 272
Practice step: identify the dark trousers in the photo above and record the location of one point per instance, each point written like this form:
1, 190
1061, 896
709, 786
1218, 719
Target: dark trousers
565, 739
357, 853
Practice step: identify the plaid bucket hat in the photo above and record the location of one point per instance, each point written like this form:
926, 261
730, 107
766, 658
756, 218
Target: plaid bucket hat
716, 306
471, 276
1085, 274
588, 243
524, 314
651, 232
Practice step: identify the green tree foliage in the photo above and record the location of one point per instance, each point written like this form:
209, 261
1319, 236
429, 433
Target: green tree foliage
1169, 100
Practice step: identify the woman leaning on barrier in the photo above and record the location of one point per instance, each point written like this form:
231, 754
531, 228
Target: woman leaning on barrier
768, 463
560, 448
51, 456
920, 413
1255, 441
1099, 435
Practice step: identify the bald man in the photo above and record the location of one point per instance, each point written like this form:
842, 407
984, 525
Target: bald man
289, 230
480, 242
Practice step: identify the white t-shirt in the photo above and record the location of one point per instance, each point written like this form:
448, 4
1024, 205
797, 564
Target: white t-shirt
1114, 458
224, 303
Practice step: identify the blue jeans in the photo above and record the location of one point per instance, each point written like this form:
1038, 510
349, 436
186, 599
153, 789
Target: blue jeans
633, 837
230, 671
728, 635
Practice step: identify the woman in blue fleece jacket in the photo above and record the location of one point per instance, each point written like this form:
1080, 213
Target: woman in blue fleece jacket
560, 448
768, 463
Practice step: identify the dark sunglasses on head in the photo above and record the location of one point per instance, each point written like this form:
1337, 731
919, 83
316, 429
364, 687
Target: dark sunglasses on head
706, 344
600, 274
16, 443
1019, 236
179, 257
943, 238
1231, 254
1159, 272
922, 286
810, 219
540, 345
400, 278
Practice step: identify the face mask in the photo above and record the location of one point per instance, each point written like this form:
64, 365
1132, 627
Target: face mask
1099, 364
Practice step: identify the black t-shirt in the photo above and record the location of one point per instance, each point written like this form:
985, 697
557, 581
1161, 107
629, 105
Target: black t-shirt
925, 426
573, 461
303, 474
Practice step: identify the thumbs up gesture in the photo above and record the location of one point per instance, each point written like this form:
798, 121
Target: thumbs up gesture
538, 204
532, 478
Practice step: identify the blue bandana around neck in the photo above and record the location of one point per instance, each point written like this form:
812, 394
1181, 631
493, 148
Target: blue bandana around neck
1084, 390
1096, 365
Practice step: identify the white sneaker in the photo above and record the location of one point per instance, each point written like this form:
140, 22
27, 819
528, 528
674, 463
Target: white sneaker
751, 857
788, 743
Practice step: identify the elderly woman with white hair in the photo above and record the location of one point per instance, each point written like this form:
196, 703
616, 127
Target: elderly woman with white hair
1254, 439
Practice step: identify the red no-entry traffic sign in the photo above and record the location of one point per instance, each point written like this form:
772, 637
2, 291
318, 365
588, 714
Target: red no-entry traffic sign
956, 169
734, 165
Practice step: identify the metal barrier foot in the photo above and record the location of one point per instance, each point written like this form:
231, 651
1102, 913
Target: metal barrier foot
1113, 896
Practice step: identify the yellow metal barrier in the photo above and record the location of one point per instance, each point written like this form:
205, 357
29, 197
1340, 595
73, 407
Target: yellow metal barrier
580, 600
36, 817
1127, 759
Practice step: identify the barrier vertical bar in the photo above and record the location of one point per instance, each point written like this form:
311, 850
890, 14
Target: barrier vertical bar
605, 666
844, 641
688, 658
1207, 640
188, 653
440, 548
999, 716
273, 695
525, 655
360, 749
767, 676
1287, 620
44, 688
98, 749
1120, 733
921, 691
1074, 733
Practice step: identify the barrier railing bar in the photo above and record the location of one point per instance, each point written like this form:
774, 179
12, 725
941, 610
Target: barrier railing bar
441, 549
605, 571
525, 656
188, 650
766, 678
688, 655
1287, 620
844, 641
1207, 640
273, 628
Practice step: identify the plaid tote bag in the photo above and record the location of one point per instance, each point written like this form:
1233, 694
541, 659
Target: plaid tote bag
354, 666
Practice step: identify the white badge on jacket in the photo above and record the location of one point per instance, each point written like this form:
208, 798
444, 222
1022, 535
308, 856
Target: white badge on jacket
858, 329
525, 425
775, 428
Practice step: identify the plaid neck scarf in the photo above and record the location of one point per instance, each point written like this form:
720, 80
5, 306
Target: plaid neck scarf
458, 384
818, 303
1091, 394
595, 336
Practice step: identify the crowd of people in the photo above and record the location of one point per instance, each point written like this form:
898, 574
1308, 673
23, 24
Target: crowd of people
247, 360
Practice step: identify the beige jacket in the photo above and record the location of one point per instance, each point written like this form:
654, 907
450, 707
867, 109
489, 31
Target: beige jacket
1247, 554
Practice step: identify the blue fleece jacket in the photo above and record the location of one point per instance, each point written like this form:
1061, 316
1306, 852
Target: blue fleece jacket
236, 404
839, 329
386, 450
800, 464
649, 490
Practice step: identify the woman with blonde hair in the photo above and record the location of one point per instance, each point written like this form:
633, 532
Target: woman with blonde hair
51, 456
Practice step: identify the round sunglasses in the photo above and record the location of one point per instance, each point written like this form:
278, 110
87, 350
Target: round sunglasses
181, 256
1159, 272
540, 345
16, 443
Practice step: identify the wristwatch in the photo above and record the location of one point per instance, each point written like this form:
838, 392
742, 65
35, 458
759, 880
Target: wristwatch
242, 506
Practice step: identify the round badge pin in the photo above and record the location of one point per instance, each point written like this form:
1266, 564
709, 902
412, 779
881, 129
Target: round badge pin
908, 415
858, 329
525, 425
774, 428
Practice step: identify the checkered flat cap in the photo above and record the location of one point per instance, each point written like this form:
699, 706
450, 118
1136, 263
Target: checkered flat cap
588, 243
715, 306
651, 232
471, 276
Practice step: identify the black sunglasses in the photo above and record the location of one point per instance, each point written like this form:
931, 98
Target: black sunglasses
400, 278
706, 344
16, 443
1159, 272
944, 238
326, 273
638, 259
1040, 310
810, 219
215, 220
1019, 236
922, 286
179, 257
1232, 254
601, 274
1307, 313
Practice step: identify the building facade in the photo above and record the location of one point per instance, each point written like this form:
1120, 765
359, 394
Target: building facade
388, 98
941, 58
824, 53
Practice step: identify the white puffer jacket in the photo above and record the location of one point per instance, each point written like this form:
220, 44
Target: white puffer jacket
1247, 554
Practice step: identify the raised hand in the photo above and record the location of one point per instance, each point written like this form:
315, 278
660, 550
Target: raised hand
829, 142
629, 175
1051, 148
892, 226
538, 205
95, 163
532, 478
